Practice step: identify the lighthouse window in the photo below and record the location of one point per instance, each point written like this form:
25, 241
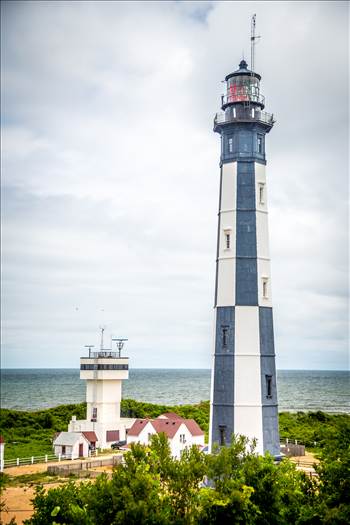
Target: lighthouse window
268, 386
261, 193
224, 336
227, 241
94, 414
260, 144
230, 144
264, 288
222, 431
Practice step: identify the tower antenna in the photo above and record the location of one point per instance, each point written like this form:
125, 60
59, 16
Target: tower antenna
89, 347
102, 328
253, 38
120, 343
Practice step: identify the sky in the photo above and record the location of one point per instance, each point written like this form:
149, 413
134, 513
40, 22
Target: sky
110, 177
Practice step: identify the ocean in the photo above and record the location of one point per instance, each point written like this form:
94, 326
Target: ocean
34, 389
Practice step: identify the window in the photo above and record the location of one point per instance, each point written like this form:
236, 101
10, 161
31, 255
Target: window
234, 112
227, 238
94, 414
224, 333
261, 193
253, 112
268, 386
224, 336
63, 449
222, 431
230, 145
260, 144
149, 437
182, 438
104, 367
265, 293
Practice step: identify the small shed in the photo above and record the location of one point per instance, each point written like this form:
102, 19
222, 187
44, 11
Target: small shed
2, 451
71, 445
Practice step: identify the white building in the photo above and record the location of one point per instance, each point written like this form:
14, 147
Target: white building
2, 451
71, 445
182, 433
103, 372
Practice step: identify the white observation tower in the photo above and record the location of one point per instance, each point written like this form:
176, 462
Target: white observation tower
103, 372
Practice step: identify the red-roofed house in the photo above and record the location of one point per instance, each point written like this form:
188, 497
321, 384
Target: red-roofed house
181, 433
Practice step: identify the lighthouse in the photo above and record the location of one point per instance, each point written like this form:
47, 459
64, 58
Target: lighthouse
243, 385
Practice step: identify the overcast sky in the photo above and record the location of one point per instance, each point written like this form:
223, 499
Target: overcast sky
110, 176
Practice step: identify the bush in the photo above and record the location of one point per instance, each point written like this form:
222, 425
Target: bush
153, 488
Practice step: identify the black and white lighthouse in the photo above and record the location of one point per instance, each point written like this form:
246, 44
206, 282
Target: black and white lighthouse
243, 391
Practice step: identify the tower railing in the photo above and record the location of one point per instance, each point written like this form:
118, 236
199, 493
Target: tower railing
243, 114
102, 353
242, 96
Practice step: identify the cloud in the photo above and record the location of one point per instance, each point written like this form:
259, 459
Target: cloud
110, 176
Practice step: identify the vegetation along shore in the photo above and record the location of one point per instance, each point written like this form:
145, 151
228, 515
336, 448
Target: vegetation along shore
233, 486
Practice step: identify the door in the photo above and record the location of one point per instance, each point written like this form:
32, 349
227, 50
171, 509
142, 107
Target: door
81, 450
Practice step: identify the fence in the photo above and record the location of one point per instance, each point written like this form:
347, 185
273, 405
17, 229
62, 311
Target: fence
48, 458
31, 460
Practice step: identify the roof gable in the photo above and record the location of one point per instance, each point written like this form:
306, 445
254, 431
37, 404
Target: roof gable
168, 426
193, 427
90, 436
137, 427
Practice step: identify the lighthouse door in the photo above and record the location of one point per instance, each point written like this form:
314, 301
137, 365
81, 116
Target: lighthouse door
81, 450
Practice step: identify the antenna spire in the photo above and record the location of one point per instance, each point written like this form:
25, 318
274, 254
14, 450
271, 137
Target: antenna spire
253, 38
102, 328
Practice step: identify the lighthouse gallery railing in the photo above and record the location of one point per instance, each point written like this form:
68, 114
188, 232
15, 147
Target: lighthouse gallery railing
244, 115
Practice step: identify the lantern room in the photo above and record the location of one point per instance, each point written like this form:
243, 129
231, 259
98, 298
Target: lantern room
242, 86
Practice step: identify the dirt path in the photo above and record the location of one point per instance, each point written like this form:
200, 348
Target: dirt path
18, 504
18, 499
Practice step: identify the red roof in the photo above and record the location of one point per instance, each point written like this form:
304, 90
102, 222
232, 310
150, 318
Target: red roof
2, 439
168, 426
112, 435
193, 427
136, 428
169, 415
90, 436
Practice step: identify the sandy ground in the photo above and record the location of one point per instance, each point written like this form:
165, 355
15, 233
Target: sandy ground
18, 499
18, 504
305, 463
